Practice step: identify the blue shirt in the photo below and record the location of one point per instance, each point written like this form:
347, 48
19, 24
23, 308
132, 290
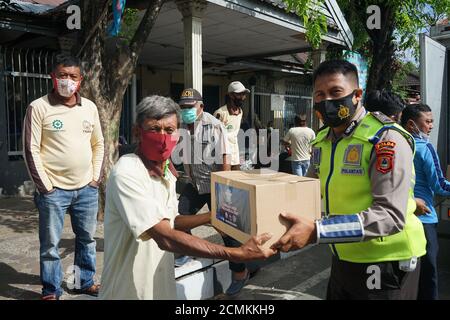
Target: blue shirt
429, 178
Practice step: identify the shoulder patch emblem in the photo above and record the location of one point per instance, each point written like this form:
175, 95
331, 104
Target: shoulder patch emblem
385, 147
385, 163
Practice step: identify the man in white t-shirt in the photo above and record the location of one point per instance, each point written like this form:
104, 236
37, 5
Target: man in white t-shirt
299, 139
141, 219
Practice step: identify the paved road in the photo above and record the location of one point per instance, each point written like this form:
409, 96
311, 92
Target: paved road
301, 276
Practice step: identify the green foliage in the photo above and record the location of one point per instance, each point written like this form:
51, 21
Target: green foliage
401, 75
411, 18
408, 18
314, 21
130, 23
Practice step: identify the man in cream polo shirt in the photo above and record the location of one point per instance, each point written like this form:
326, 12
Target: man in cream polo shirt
63, 150
231, 116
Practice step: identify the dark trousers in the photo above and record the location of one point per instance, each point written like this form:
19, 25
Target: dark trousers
372, 281
190, 202
428, 283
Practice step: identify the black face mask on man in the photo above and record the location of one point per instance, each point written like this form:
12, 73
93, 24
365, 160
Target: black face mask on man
338, 111
238, 102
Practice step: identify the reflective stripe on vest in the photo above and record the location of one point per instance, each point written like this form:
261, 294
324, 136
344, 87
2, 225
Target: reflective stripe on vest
346, 189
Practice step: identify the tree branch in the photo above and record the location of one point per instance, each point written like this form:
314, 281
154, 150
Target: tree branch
95, 27
146, 25
126, 58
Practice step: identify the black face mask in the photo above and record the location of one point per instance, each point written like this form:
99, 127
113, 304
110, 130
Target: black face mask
336, 112
237, 102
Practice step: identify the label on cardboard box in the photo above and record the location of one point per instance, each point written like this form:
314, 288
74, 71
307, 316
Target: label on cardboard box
233, 207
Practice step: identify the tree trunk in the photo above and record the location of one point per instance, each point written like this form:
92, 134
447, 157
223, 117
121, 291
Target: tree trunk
382, 71
108, 73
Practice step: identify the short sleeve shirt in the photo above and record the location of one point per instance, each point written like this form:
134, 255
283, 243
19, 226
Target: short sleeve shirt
300, 139
208, 144
232, 124
134, 266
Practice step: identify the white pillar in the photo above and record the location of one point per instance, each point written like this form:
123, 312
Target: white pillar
192, 20
318, 56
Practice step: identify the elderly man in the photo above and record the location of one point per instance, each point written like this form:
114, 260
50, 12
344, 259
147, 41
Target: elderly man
209, 151
141, 220
63, 149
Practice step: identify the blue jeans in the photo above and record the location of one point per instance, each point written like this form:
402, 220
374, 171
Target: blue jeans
428, 284
83, 206
299, 168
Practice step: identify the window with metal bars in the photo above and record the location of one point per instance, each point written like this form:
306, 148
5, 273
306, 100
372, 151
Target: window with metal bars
24, 75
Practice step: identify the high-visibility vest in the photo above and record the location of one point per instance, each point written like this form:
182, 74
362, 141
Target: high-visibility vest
346, 189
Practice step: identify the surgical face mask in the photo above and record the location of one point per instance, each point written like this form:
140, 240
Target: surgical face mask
422, 135
189, 116
65, 87
338, 111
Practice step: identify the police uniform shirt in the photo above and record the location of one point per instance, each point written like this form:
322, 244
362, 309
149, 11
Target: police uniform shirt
390, 194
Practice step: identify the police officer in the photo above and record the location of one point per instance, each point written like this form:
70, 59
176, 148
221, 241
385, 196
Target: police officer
364, 163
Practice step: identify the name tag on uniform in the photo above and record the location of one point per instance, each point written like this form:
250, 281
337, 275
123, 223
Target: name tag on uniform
353, 155
353, 171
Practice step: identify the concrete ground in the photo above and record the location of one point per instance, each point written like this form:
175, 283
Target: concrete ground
303, 275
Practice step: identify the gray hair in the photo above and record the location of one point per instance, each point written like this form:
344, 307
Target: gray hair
156, 107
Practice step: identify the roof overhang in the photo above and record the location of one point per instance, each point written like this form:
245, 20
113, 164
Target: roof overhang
238, 28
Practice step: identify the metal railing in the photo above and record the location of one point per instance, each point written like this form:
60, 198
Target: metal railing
24, 73
297, 100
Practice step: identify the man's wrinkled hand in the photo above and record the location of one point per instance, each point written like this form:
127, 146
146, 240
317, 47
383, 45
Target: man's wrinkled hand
302, 232
421, 207
253, 250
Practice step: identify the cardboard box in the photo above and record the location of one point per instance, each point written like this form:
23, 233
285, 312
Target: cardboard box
448, 172
247, 203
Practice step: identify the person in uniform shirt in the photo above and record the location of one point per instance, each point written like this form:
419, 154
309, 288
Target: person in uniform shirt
391, 105
142, 225
365, 165
206, 149
231, 116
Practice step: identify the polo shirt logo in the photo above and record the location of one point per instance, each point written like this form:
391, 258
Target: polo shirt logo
57, 124
87, 126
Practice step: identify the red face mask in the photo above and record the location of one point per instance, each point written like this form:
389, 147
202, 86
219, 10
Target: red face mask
157, 146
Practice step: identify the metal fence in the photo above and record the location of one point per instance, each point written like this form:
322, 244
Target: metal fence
294, 99
25, 76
